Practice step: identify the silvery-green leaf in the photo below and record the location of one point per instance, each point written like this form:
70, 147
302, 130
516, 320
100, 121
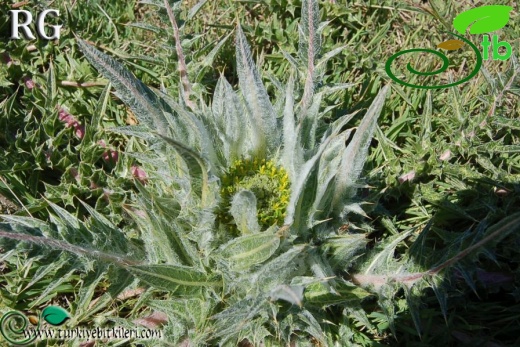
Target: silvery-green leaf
243, 209
210, 57
313, 327
189, 129
309, 45
232, 124
69, 227
245, 251
275, 271
344, 249
355, 155
305, 170
327, 170
196, 8
140, 131
321, 269
179, 280
291, 294
308, 122
165, 241
290, 59
329, 89
299, 185
383, 256
329, 55
353, 207
292, 153
134, 93
320, 295
255, 96
195, 163
237, 317
414, 305
437, 283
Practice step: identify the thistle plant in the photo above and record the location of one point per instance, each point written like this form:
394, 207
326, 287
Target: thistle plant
239, 221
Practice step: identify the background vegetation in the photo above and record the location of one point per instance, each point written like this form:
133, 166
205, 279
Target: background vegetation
443, 164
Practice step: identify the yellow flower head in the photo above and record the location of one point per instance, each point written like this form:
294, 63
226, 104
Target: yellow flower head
268, 182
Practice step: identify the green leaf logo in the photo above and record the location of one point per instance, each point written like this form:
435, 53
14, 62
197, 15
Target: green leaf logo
55, 315
482, 19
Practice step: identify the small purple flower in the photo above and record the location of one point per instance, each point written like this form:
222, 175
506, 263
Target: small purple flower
29, 83
445, 155
109, 155
6, 58
66, 118
80, 130
74, 172
406, 177
71, 121
48, 154
139, 174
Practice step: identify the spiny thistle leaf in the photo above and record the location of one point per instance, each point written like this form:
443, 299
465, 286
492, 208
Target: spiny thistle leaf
255, 95
299, 185
309, 46
245, 251
292, 153
291, 294
327, 171
188, 128
238, 317
355, 154
344, 249
232, 126
279, 268
65, 246
304, 172
179, 280
308, 123
210, 57
134, 93
165, 241
383, 255
313, 327
319, 294
195, 163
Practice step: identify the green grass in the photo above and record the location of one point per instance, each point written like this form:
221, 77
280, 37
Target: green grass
461, 144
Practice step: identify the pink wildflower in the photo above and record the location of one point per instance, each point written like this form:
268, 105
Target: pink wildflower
29, 83
74, 172
80, 130
66, 118
139, 174
445, 155
71, 121
6, 58
406, 177
108, 155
